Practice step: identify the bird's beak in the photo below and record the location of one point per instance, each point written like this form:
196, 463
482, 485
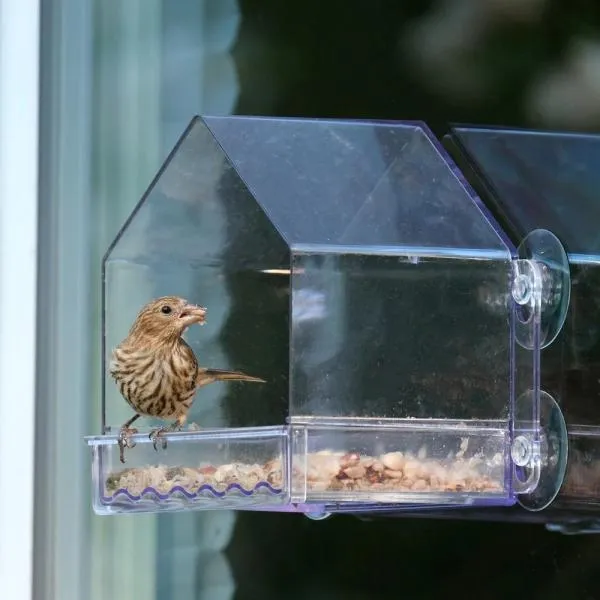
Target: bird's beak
193, 314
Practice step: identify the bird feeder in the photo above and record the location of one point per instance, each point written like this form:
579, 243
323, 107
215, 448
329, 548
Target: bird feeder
397, 326
544, 179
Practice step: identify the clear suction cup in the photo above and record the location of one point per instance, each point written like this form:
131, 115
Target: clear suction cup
541, 277
540, 460
317, 515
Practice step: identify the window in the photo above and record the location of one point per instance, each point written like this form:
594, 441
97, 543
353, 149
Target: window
120, 81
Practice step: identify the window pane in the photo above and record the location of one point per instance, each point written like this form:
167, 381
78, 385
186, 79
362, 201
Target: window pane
121, 81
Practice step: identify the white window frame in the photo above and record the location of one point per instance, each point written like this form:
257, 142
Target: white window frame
19, 107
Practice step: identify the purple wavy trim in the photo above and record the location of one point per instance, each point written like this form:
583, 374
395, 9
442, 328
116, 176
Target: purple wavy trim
188, 495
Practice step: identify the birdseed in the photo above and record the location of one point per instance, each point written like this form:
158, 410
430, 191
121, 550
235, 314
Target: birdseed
166, 479
396, 472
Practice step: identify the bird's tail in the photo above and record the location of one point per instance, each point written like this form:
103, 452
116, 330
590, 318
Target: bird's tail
206, 376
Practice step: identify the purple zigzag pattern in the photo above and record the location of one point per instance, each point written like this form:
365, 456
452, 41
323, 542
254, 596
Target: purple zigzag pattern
188, 495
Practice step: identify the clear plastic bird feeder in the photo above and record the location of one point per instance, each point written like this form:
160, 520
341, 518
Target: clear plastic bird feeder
550, 180
398, 328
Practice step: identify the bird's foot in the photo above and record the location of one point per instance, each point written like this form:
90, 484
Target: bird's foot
160, 432
155, 434
124, 440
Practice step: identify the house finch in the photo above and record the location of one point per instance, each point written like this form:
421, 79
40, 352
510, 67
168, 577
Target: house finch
157, 372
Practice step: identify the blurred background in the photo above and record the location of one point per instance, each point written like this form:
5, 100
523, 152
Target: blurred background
120, 81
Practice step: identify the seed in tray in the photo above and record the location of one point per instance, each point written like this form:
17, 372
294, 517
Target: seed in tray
395, 471
349, 460
165, 478
356, 472
393, 460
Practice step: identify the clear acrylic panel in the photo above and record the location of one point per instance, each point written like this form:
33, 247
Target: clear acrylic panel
374, 186
537, 179
198, 196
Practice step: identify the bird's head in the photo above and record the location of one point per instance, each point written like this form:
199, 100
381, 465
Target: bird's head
165, 319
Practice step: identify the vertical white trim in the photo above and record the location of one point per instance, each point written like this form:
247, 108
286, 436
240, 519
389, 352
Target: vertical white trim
19, 89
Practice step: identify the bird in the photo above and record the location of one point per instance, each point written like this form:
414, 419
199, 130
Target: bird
157, 372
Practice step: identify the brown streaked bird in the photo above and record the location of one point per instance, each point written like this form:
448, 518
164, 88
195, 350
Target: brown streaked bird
156, 370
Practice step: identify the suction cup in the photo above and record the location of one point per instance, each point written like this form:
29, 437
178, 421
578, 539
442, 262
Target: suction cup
539, 469
319, 515
541, 276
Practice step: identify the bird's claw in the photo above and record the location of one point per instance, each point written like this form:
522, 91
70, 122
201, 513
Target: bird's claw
124, 440
158, 433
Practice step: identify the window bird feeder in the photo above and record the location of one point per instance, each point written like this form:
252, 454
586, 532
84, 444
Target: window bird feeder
398, 328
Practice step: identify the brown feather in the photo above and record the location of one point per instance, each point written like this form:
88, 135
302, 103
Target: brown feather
206, 376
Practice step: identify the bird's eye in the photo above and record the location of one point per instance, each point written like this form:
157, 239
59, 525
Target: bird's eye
166, 310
